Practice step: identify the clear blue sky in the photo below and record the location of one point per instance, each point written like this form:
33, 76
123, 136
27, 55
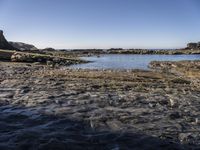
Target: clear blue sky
101, 23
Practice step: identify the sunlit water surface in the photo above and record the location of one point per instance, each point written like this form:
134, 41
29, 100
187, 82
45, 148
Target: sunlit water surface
129, 61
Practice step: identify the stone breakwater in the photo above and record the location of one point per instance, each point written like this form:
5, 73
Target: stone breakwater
44, 108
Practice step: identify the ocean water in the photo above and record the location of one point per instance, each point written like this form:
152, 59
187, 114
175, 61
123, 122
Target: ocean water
129, 61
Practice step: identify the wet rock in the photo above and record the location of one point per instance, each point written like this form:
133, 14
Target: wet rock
6, 95
97, 101
37, 63
53, 144
186, 137
50, 63
114, 125
174, 115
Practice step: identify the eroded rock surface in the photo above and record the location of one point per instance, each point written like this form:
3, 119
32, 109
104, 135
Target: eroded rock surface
44, 108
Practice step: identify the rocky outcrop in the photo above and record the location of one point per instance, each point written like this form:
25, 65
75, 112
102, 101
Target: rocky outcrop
23, 46
48, 49
4, 43
193, 45
155, 52
187, 68
44, 59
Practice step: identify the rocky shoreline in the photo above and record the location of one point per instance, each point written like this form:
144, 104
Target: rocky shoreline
91, 52
156, 52
58, 108
37, 58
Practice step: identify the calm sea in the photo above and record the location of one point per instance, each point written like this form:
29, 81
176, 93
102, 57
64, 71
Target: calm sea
121, 61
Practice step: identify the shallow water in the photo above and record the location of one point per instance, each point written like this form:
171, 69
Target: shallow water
129, 61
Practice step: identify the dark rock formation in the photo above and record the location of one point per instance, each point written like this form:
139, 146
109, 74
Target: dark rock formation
23, 46
4, 43
49, 49
193, 45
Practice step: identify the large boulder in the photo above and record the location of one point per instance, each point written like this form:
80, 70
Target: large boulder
4, 43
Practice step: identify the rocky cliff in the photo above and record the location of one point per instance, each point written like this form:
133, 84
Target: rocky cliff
4, 43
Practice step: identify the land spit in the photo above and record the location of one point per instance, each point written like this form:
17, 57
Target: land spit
58, 108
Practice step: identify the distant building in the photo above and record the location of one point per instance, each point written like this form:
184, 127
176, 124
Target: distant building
192, 45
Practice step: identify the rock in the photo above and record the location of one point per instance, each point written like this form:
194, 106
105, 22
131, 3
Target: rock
95, 100
21, 57
114, 125
49, 49
174, 115
4, 43
6, 95
45, 59
53, 144
23, 46
185, 137
173, 103
180, 81
50, 63
37, 63
192, 45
